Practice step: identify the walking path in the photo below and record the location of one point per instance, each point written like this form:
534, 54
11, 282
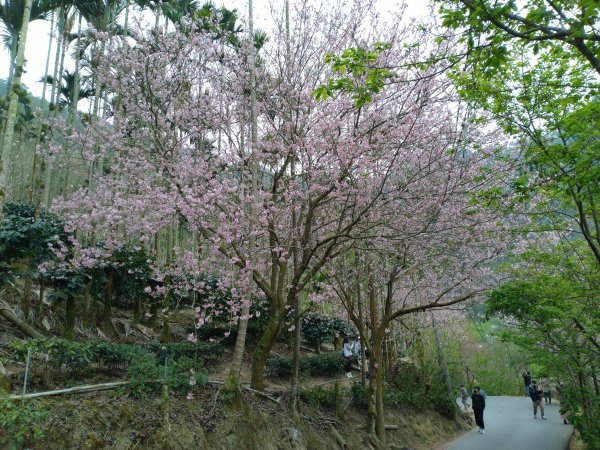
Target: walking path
509, 425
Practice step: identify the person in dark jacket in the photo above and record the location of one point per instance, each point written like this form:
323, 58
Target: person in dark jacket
527, 380
536, 398
478, 405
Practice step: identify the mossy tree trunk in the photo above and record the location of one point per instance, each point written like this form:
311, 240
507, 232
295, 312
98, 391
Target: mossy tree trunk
264, 346
137, 310
69, 330
26, 299
107, 324
40, 305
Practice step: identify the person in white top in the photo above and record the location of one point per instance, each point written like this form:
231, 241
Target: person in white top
347, 352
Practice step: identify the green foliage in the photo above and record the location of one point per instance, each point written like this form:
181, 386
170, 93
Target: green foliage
489, 28
321, 397
360, 395
206, 351
24, 238
20, 423
146, 375
407, 387
131, 272
73, 357
76, 357
66, 282
550, 309
364, 78
319, 328
328, 363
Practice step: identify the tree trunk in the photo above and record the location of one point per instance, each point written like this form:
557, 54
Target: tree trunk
264, 346
296, 357
20, 324
441, 355
76, 82
380, 418
137, 310
26, 299
87, 305
107, 312
32, 194
240, 343
40, 305
11, 115
69, 330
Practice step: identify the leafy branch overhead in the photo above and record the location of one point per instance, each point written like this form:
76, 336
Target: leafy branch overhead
567, 28
358, 76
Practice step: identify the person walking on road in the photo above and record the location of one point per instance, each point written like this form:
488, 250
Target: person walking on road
478, 405
545, 388
536, 398
527, 379
464, 394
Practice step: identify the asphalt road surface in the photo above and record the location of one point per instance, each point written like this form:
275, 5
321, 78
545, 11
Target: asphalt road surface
509, 425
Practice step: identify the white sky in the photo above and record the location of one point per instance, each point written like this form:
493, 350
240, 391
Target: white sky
38, 36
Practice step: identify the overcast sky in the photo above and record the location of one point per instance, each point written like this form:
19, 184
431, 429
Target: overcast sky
37, 39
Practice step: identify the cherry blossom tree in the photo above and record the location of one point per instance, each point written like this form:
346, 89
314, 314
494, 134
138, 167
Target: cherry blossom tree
370, 161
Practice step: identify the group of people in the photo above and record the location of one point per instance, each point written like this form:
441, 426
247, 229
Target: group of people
543, 390
534, 391
478, 404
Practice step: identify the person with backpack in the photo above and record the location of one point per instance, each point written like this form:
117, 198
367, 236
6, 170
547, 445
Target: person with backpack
478, 405
527, 379
536, 398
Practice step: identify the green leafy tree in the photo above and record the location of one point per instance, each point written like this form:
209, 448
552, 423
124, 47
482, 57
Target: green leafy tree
550, 309
24, 240
566, 28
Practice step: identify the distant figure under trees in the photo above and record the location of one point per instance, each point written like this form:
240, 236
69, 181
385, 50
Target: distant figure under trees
347, 352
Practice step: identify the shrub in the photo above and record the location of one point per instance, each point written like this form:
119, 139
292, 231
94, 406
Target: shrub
75, 357
146, 375
20, 423
319, 328
321, 397
114, 355
360, 395
175, 350
329, 363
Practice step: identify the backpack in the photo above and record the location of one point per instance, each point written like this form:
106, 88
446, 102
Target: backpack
535, 394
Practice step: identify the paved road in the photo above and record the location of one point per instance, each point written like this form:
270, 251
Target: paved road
509, 425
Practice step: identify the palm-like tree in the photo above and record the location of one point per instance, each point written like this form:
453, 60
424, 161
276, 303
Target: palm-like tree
11, 18
67, 86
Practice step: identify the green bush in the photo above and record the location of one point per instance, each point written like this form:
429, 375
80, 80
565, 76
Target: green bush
73, 357
320, 397
146, 376
407, 386
206, 351
320, 328
360, 395
76, 357
114, 355
20, 423
329, 363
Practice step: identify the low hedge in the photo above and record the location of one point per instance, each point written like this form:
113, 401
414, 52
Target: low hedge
76, 357
328, 363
